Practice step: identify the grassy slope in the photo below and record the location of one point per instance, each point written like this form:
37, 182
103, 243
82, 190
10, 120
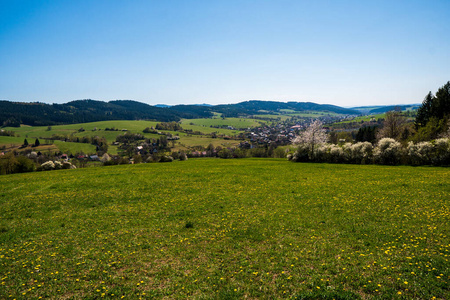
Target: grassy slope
364, 118
260, 228
315, 114
235, 122
196, 140
67, 147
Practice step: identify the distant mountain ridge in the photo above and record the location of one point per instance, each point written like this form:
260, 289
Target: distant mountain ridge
88, 110
379, 109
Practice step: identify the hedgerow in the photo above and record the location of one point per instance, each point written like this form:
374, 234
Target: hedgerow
387, 151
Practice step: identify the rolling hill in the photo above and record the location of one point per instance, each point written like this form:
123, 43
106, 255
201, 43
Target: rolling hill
81, 111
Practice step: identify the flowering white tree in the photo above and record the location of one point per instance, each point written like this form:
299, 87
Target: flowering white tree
388, 152
313, 136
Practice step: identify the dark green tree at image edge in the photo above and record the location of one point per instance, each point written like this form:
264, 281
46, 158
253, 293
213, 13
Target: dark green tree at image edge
433, 115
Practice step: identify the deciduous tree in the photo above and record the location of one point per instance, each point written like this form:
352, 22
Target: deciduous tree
393, 126
313, 136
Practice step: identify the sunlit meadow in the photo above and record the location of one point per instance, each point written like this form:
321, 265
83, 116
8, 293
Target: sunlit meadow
225, 229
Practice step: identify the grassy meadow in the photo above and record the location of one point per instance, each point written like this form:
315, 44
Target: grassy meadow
234, 122
226, 229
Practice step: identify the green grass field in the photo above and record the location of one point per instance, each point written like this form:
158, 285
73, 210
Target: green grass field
313, 114
234, 122
289, 113
226, 229
67, 147
41, 131
363, 119
274, 117
13, 140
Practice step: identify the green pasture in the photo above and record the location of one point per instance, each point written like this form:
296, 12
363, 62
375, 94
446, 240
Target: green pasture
204, 141
98, 129
33, 132
363, 119
313, 114
234, 122
208, 130
13, 140
274, 117
42, 131
226, 229
68, 147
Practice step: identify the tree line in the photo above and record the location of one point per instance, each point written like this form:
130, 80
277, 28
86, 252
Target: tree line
426, 141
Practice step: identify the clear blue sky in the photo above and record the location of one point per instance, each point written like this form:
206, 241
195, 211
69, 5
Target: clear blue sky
347, 53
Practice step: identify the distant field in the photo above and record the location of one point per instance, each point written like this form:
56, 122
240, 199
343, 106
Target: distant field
8, 140
31, 133
275, 117
67, 147
37, 131
207, 130
314, 114
42, 131
288, 113
195, 140
226, 229
364, 118
234, 122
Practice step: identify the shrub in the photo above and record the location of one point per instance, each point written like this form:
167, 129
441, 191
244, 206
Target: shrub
105, 158
166, 158
347, 149
322, 153
58, 165
175, 155
48, 165
388, 152
24, 164
183, 156
68, 165
8, 163
361, 153
225, 153
337, 154
33, 155
279, 153
420, 153
441, 152
301, 154
330, 153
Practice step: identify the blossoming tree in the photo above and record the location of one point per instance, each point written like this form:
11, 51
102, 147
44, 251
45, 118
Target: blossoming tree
313, 136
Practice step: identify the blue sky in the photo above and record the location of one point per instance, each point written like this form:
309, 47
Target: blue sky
347, 53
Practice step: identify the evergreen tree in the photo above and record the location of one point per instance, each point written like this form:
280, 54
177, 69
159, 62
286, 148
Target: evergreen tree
434, 106
25, 142
37, 143
424, 111
441, 105
366, 134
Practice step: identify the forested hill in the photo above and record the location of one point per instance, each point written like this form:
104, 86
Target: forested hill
253, 107
81, 111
